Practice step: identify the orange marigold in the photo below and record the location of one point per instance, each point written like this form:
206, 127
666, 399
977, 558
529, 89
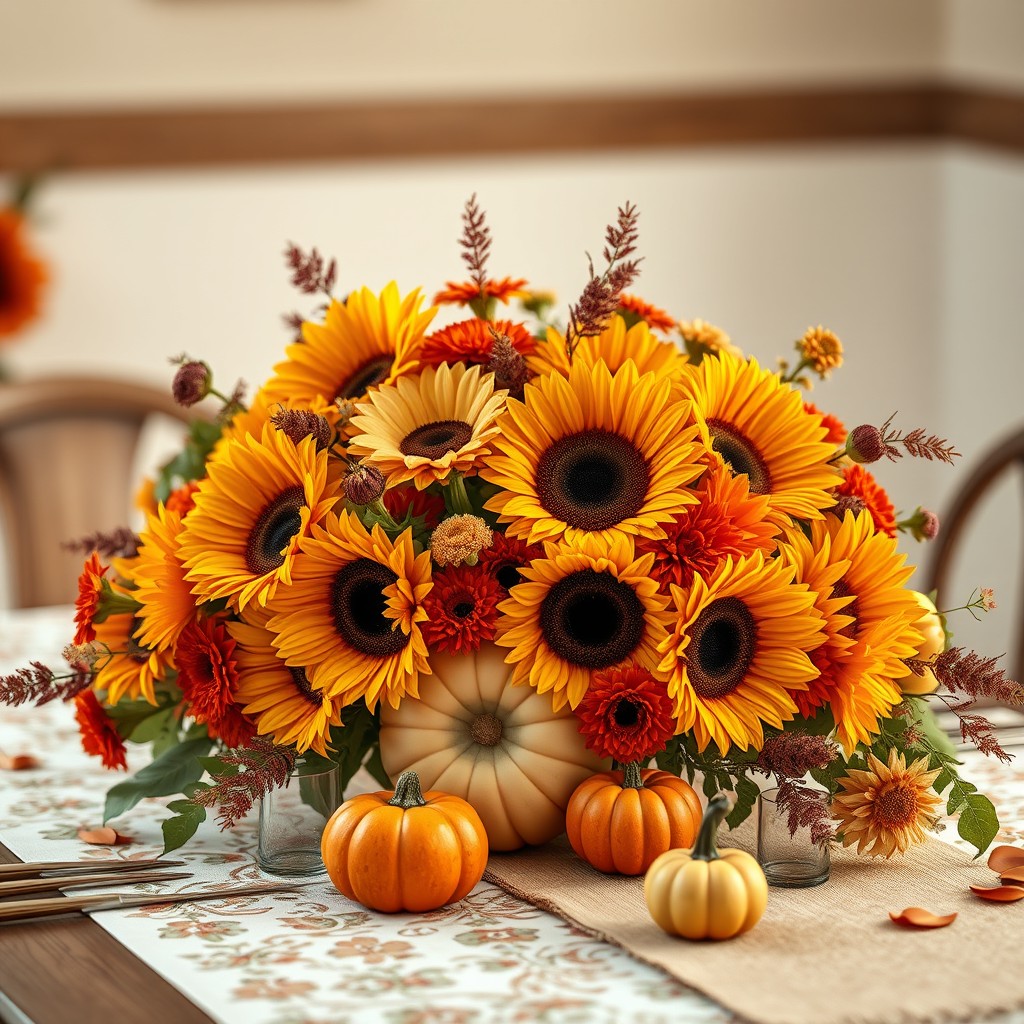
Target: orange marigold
90, 586
836, 431
471, 341
463, 293
100, 737
22, 275
633, 309
183, 499
859, 483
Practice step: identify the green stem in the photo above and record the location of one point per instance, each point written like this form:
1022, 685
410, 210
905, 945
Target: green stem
704, 848
407, 792
383, 516
458, 498
632, 778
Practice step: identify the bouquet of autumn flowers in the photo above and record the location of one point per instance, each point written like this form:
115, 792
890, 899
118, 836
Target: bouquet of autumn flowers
620, 539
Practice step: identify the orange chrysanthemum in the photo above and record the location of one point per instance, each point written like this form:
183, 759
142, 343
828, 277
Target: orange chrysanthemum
471, 341
859, 483
634, 309
836, 431
463, 293
100, 737
90, 586
22, 275
183, 499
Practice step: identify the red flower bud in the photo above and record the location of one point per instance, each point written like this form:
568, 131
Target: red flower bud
191, 383
364, 484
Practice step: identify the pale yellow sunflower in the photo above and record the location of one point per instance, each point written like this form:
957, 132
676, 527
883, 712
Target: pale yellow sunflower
351, 617
758, 426
885, 809
425, 427
363, 342
279, 699
596, 452
166, 598
579, 609
739, 646
258, 500
614, 345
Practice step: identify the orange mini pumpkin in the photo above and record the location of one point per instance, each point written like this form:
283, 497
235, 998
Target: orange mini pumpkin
409, 850
621, 821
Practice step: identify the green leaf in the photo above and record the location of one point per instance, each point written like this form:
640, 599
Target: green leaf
168, 774
711, 786
942, 780
150, 727
182, 827
216, 767
978, 822
959, 794
747, 792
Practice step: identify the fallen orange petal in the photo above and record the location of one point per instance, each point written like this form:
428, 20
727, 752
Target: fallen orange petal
103, 837
1013, 874
1003, 857
918, 917
17, 762
999, 893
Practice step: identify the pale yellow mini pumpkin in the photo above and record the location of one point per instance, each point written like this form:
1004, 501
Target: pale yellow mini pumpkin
499, 747
933, 643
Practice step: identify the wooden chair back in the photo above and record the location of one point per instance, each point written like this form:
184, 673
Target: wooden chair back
68, 465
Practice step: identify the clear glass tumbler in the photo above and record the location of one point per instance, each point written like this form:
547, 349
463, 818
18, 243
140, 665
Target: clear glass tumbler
292, 819
788, 861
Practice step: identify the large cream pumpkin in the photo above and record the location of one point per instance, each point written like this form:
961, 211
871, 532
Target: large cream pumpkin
499, 747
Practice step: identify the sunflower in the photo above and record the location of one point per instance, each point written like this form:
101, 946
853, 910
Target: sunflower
351, 617
22, 275
132, 670
366, 341
463, 293
885, 809
727, 520
258, 499
159, 577
581, 609
471, 341
462, 609
759, 428
859, 483
596, 452
279, 700
90, 589
99, 734
860, 579
634, 310
739, 646
424, 428
614, 345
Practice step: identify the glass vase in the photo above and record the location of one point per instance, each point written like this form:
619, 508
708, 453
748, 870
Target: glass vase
790, 861
292, 819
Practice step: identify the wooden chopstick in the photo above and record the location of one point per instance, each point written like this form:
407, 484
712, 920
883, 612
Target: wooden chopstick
32, 869
25, 887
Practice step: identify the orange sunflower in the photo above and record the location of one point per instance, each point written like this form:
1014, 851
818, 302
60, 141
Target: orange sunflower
758, 427
463, 293
580, 609
351, 617
166, 598
859, 483
365, 341
471, 341
258, 499
596, 452
22, 275
739, 647
132, 670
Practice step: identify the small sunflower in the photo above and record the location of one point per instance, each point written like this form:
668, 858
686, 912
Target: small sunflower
351, 617
463, 293
633, 310
366, 341
885, 809
132, 670
424, 428
739, 647
160, 587
758, 427
859, 483
258, 499
702, 338
594, 453
472, 341
581, 609
22, 275
278, 699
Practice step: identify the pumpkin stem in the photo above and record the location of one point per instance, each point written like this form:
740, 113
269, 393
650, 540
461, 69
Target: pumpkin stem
407, 792
631, 777
704, 848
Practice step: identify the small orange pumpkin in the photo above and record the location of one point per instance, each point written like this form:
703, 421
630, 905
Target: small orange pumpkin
408, 850
621, 821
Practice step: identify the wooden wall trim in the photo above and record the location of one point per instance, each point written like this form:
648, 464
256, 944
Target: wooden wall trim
123, 139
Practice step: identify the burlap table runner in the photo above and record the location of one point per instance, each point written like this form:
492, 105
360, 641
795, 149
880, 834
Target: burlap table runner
825, 955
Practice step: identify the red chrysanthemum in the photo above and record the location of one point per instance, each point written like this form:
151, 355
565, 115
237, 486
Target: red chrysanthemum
641, 310
90, 586
183, 499
859, 483
836, 431
471, 341
100, 737
728, 520
462, 609
463, 293
406, 498
505, 557
626, 714
208, 676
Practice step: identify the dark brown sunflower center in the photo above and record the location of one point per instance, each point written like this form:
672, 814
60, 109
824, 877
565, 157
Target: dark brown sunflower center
303, 686
592, 619
592, 480
486, 730
627, 713
894, 808
842, 589
358, 605
741, 454
437, 439
723, 642
365, 376
279, 521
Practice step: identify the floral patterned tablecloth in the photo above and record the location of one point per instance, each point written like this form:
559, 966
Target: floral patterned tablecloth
314, 956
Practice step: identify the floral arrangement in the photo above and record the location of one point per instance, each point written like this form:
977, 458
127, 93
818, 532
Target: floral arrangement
23, 274
624, 520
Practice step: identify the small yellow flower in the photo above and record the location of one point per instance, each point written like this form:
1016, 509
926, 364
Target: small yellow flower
702, 338
460, 539
821, 350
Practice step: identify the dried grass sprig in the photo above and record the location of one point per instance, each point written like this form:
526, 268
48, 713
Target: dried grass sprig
792, 755
805, 808
475, 243
916, 443
308, 272
39, 684
119, 543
